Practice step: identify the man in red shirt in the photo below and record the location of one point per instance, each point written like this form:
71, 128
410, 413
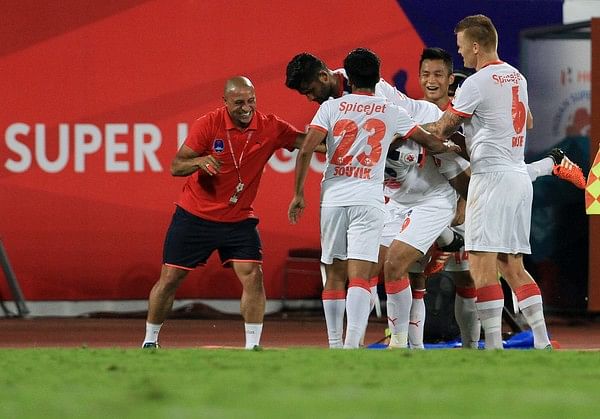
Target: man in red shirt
223, 156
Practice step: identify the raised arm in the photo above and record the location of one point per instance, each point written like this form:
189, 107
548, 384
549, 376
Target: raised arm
313, 139
187, 161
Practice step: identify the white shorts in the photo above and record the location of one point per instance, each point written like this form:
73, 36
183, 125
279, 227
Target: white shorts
459, 261
417, 225
498, 216
351, 233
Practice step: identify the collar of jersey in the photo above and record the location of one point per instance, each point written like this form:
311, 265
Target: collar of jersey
495, 62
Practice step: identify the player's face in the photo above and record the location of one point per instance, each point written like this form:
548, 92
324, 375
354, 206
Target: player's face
318, 90
466, 50
241, 104
434, 79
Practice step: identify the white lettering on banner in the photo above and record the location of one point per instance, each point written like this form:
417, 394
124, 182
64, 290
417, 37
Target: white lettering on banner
143, 151
63, 149
113, 148
83, 148
22, 165
87, 140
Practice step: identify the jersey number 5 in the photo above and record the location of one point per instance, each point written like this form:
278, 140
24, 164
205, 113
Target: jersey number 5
519, 113
349, 132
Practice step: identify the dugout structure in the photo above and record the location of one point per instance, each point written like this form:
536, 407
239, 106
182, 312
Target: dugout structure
557, 61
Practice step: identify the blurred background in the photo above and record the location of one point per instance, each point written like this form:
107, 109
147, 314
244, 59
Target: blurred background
97, 97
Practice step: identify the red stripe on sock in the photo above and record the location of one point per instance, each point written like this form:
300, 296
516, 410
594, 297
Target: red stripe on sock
466, 292
394, 287
333, 295
526, 291
374, 281
359, 282
418, 294
490, 293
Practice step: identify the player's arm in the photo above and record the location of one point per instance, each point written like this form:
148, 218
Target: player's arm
446, 125
320, 148
187, 161
458, 138
460, 183
459, 215
529, 119
430, 141
314, 137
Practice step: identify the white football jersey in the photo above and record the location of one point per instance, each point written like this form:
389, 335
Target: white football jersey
412, 174
360, 129
421, 111
495, 102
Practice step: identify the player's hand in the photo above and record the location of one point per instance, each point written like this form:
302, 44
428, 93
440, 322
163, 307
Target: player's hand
296, 208
209, 164
459, 216
446, 146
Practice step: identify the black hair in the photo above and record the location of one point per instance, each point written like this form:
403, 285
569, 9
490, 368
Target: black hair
362, 68
437, 54
302, 69
459, 77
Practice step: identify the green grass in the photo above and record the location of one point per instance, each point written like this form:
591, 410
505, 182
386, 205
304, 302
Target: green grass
297, 383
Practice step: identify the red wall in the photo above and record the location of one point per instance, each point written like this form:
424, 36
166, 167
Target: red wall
100, 89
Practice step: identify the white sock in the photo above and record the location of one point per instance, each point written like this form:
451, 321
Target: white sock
372, 303
416, 322
490, 302
357, 309
490, 314
530, 303
465, 312
399, 300
152, 331
445, 238
540, 168
334, 306
253, 332
373, 299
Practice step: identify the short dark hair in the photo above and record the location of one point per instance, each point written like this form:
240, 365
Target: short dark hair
479, 28
437, 54
362, 68
303, 68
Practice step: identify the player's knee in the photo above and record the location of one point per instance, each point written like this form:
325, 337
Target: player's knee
171, 278
394, 268
252, 281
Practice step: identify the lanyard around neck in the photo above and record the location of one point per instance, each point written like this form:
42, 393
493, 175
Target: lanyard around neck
236, 163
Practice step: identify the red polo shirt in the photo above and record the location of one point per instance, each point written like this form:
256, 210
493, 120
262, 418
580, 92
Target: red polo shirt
214, 133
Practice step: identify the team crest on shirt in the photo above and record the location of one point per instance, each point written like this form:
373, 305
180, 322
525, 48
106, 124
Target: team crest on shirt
410, 158
218, 145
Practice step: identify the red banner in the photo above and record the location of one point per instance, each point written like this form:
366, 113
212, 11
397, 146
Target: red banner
97, 97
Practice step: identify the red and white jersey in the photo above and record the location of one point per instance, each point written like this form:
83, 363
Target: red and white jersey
360, 129
495, 101
413, 175
421, 111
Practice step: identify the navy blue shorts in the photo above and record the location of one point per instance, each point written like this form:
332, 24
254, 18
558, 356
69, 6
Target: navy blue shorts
191, 240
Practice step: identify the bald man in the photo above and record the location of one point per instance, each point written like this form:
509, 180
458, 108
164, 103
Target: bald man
223, 157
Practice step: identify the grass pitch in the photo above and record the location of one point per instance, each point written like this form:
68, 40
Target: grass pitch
297, 383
